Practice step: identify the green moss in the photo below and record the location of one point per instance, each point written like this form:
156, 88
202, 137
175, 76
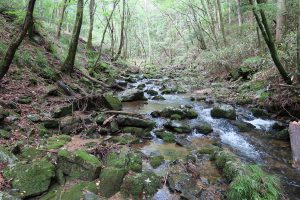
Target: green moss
219, 112
156, 161
57, 142
175, 117
4, 134
112, 102
258, 112
135, 162
117, 160
110, 180
139, 132
204, 128
209, 149
86, 157
125, 139
31, 153
222, 157
166, 136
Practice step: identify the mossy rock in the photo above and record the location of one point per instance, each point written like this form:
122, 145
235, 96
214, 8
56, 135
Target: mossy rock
137, 185
243, 126
112, 102
4, 134
159, 98
114, 127
7, 157
258, 112
156, 161
7, 196
100, 118
209, 149
79, 164
223, 111
31, 179
232, 169
182, 113
24, 100
76, 192
175, 117
166, 136
204, 128
280, 135
132, 95
111, 179
178, 127
126, 121
51, 124
139, 132
135, 163
57, 142
152, 92
141, 86
125, 139
42, 131
243, 100
222, 157
63, 111
117, 160
31, 153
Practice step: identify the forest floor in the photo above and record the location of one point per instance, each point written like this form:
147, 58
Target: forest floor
69, 137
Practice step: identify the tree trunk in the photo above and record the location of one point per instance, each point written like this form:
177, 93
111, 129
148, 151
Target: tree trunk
122, 33
239, 12
221, 21
148, 31
92, 10
298, 42
199, 34
280, 21
267, 35
68, 65
62, 14
10, 53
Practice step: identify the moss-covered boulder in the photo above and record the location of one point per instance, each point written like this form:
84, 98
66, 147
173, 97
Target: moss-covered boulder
223, 111
139, 132
137, 185
24, 100
79, 164
166, 136
111, 179
31, 153
31, 179
57, 142
100, 118
63, 111
7, 196
178, 113
51, 124
243, 126
159, 98
126, 121
222, 157
132, 95
125, 139
204, 128
7, 157
178, 127
152, 92
76, 192
280, 135
116, 160
258, 112
4, 134
112, 102
135, 163
156, 161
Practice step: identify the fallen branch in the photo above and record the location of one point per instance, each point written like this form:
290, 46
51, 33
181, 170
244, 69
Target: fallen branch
123, 113
108, 120
67, 90
92, 79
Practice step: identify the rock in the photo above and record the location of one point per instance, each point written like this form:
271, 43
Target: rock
243, 126
117, 160
204, 128
4, 134
125, 139
33, 117
280, 135
90, 196
244, 100
57, 142
63, 111
141, 86
182, 113
59, 176
139, 132
180, 181
111, 179
79, 164
178, 127
51, 124
100, 118
175, 117
279, 126
126, 121
79, 191
3, 115
31, 179
156, 161
31, 153
182, 141
135, 163
112, 102
152, 92
137, 185
7, 157
159, 98
52, 90
114, 126
257, 112
224, 111
24, 100
132, 95
166, 136
121, 83
7, 196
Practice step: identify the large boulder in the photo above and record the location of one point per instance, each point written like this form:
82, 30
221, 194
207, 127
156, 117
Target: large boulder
204, 128
178, 127
112, 102
223, 111
177, 113
132, 95
7, 196
31, 179
7, 157
126, 121
79, 164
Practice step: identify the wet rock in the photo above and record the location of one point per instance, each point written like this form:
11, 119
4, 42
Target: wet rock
182, 141
90, 196
243, 126
111, 179
69, 124
137, 185
125, 139
7, 157
159, 98
4, 134
180, 181
121, 83
204, 128
224, 111
222, 157
178, 127
79, 164
78, 191
209, 149
134, 122
152, 92
57, 142
279, 126
183, 113
7, 196
112, 102
31, 179
156, 161
280, 135
24, 100
135, 162
139, 132
63, 111
141, 86
258, 112
166, 136
132, 95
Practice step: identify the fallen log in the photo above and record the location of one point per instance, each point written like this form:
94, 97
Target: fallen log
294, 129
124, 113
67, 90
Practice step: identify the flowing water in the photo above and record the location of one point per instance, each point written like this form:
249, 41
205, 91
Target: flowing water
252, 147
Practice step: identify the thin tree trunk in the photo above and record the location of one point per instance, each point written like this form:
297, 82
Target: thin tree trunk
280, 21
122, 33
11, 51
199, 31
221, 21
68, 65
148, 31
62, 14
267, 35
239, 12
298, 42
92, 9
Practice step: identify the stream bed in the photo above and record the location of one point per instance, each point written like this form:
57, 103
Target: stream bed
251, 147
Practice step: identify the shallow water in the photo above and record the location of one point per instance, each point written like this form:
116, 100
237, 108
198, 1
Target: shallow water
253, 147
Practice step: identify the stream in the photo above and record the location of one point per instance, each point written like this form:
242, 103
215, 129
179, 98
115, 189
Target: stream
251, 147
